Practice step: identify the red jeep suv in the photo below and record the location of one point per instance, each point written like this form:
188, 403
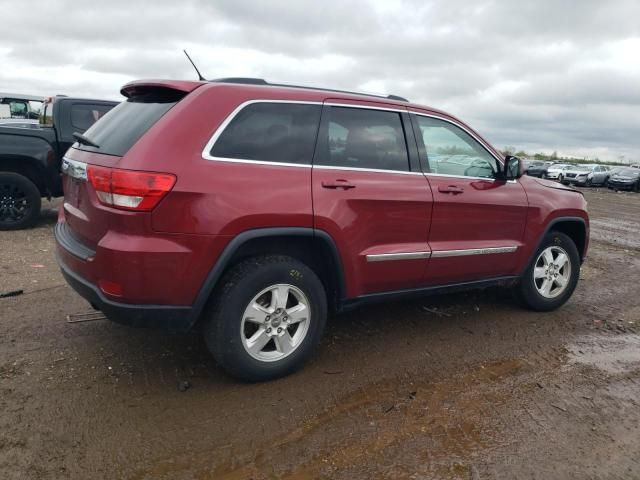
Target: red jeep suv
251, 210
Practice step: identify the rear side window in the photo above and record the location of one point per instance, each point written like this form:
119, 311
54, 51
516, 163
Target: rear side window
125, 124
362, 138
85, 115
270, 132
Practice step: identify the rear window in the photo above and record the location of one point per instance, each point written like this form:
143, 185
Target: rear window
125, 124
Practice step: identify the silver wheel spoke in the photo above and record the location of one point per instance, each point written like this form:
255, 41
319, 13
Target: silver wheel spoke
561, 260
256, 313
257, 341
539, 272
284, 344
562, 281
547, 256
279, 296
297, 314
546, 287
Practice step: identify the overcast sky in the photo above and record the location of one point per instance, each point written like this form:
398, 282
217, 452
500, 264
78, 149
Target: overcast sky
542, 75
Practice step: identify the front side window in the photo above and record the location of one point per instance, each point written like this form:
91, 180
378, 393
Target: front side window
271, 132
363, 138
452, 151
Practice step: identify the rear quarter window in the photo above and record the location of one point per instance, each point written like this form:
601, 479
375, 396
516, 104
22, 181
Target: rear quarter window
119, 129
270, 132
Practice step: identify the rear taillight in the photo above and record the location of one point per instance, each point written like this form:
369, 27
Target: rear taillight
129, 189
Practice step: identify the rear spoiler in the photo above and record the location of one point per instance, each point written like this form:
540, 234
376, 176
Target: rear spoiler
139, 86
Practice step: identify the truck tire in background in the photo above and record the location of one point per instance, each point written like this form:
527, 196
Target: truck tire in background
19, 202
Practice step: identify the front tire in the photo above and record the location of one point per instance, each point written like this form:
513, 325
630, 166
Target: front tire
266, 318
19, 202
552, 276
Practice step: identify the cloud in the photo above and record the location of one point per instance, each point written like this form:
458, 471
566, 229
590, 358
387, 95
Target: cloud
546, 75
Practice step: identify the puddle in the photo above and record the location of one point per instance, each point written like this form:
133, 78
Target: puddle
615, 355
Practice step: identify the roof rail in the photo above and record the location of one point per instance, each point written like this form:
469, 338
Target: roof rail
262, 81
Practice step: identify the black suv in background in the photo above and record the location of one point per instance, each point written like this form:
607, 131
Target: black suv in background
31, 155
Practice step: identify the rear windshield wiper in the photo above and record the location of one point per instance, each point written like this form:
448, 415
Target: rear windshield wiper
84, 140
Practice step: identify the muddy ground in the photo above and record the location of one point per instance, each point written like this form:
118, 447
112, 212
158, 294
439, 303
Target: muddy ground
472, 388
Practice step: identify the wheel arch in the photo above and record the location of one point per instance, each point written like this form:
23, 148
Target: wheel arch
574, 227
27, 167
315, 248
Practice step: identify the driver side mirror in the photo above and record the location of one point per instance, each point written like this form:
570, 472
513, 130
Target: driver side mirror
513, 167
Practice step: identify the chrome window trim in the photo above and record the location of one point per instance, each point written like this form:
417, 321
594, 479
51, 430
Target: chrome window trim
462, 127
212, 140
385, 257
374, 170
221, 128
74, 169
366, 107
472, 251
460, 176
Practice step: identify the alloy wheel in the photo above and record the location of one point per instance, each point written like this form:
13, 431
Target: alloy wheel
552, 272
275, 322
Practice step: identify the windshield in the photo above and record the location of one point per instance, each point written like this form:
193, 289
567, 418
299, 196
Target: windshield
630, 172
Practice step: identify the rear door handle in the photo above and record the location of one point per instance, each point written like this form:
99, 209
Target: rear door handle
450, 189
344, 184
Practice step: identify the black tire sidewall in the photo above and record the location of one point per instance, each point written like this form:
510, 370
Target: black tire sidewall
528, 292
33, 196
222, 331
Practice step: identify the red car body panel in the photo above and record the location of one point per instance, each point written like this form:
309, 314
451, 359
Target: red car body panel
165, 257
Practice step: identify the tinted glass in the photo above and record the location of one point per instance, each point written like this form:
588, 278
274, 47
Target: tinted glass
271, 132
125, 124
83, 116
452, 151
361, 138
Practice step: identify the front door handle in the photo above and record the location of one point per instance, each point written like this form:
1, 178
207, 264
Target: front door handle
344, 184
451, 189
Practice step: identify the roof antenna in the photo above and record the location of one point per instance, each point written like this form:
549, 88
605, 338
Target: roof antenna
200, 77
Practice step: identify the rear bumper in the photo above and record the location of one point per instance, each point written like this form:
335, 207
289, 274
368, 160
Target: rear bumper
76, 260
175, 318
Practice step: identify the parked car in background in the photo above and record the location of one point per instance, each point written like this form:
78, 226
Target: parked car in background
556, 171
625, 179
537, 169
31, 156
249, 210
18, 108
586, 175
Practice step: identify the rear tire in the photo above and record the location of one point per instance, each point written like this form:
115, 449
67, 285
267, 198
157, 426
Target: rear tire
266, 318
552, 276
19, 202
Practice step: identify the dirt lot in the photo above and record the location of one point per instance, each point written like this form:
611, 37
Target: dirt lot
478, 389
